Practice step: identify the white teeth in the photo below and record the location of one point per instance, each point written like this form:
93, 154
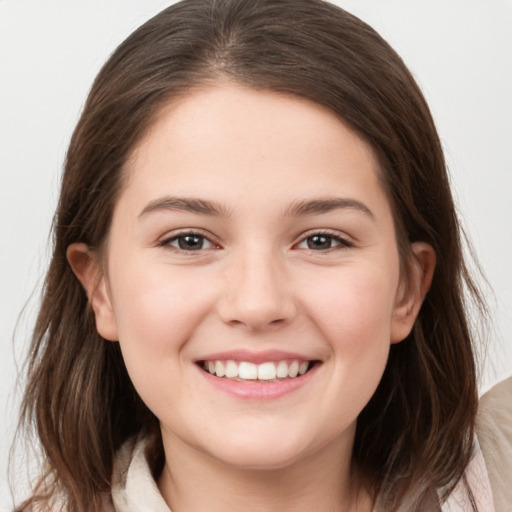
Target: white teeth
231, 370
268, 371
247, 371
293, 369
302, 367
282, 370
219, 369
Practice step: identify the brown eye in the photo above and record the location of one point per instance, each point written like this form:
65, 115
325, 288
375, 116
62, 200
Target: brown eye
323, 242
319, 242
189, 242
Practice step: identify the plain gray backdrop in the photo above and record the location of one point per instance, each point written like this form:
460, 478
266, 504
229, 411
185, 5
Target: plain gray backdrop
50, 51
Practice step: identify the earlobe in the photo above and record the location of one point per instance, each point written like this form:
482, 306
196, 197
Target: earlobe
87, 269
413, 290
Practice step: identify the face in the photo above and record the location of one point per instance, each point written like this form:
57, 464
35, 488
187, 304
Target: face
252, 277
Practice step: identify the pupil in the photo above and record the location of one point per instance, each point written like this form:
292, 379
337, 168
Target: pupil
319, 242
190, 242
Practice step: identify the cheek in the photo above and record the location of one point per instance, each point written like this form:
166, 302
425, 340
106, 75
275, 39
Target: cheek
350, 309
353, 311
354, 308
157, 307
156, 314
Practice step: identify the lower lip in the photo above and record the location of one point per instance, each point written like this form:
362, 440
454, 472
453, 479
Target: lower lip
258, 389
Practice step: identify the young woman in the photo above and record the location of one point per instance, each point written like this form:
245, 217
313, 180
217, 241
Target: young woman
255, 300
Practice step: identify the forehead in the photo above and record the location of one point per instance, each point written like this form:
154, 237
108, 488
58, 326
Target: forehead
235, 142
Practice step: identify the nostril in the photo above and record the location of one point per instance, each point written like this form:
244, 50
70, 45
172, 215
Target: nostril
261, 325
256, 307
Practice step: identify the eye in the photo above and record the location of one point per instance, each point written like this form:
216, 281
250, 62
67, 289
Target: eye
323, 242
188, 242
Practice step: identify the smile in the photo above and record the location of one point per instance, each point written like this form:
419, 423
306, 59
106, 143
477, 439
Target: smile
270, 371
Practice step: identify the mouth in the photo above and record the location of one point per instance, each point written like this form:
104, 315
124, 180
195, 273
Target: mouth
265, 372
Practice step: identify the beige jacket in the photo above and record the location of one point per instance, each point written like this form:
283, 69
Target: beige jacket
494, 430
134, 490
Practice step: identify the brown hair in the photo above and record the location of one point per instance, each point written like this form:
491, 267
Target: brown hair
416, 432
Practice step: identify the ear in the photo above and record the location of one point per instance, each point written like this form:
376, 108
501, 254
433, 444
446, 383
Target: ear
412, 290
88, 270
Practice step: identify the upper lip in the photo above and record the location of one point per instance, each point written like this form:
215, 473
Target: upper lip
255, 357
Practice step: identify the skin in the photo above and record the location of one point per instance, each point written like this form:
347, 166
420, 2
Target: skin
257, 284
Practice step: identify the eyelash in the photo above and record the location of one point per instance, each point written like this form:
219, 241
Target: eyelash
167, 242
341, 243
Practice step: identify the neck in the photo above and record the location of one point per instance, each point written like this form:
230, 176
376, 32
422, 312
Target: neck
325, 481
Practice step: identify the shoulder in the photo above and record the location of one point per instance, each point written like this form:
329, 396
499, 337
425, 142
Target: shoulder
133, 485
495, 410
473, 489
36, 504
494, 430
46, 506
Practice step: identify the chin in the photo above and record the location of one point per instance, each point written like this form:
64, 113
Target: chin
258, 461
259, 454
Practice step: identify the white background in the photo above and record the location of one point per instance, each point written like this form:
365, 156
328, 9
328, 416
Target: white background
50, 50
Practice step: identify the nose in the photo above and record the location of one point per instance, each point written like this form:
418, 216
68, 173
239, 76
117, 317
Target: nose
258, 295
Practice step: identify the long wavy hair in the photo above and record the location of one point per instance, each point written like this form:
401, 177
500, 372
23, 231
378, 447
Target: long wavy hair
416, 433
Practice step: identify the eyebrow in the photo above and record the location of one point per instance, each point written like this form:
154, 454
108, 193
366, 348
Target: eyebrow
298, 208
185, 204
326, 205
